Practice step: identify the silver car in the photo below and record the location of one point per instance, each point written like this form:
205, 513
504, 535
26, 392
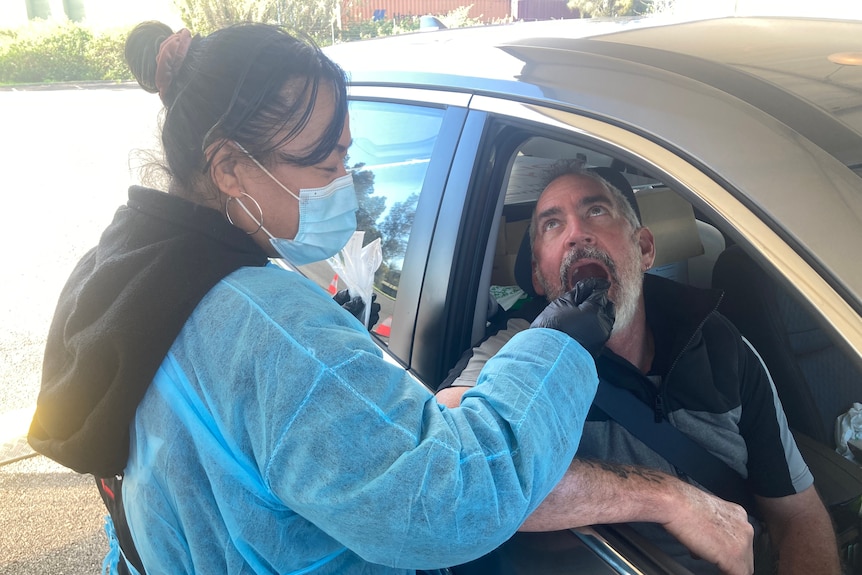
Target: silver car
743, 140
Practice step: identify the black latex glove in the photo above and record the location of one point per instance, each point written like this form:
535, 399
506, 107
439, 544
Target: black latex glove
356, 306
585, 314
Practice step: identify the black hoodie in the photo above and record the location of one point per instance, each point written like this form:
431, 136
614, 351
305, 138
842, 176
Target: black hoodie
117, 317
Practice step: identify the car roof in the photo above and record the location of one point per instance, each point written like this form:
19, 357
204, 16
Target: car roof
806, 73
744, 98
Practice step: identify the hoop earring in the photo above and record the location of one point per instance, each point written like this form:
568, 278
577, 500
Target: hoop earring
259, 222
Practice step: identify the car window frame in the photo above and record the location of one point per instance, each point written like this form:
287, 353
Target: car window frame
715, 198
401, 342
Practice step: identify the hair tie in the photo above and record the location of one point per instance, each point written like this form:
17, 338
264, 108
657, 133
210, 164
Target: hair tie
172, 52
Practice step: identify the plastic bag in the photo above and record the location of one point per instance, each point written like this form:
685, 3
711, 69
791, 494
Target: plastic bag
355, 266
848, 427
508, 296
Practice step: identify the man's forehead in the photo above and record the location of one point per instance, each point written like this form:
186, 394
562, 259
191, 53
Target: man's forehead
572, 186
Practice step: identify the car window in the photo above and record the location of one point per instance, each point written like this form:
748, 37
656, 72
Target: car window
389, 157
692, 249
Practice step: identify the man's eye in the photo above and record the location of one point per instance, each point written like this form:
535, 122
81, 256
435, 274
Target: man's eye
597, 211
550, 224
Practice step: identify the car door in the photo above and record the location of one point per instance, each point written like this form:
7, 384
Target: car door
486, 192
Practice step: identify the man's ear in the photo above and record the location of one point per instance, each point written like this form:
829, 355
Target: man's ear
646, 241
537, 287
223, 168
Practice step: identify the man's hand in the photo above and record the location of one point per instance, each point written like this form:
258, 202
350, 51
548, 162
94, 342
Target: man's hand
356, 306
714, 530
585, 314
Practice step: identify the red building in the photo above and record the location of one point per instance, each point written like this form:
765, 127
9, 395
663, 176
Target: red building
484, 10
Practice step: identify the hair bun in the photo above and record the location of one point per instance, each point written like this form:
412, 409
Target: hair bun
142, 49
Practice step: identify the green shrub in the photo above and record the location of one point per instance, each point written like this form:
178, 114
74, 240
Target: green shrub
66, 52
366, 29
457, 18
106, 52
43, 52
312, 17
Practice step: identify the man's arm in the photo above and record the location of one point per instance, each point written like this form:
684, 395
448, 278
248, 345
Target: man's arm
801, 533
464, 375
451, 396
595, 492
800, 529
600, 493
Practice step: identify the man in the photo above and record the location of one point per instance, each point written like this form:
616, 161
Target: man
672, 349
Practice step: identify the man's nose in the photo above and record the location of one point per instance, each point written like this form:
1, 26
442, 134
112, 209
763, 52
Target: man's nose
578, 234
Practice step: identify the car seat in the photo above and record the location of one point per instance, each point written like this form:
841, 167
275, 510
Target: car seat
814, 379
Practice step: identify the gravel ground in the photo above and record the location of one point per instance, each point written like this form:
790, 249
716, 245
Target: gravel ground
50, 520
67, 167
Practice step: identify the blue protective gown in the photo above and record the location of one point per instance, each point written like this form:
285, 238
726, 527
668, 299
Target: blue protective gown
276, 439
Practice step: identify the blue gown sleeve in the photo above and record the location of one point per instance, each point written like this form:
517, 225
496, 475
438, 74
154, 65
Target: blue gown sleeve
369, 456
289, 407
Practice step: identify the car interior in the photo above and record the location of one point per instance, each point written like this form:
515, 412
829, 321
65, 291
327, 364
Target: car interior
815, 379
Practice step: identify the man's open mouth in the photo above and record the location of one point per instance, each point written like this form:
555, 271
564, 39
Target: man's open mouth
581, 271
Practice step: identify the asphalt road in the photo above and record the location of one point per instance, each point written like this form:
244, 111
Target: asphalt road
68, 157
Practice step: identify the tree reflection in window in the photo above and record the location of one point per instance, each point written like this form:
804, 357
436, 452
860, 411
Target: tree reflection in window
394, 233
393, 230
370, 206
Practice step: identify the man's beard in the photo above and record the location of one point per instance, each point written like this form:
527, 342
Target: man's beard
626, 280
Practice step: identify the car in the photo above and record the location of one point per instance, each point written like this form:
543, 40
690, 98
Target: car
742, 138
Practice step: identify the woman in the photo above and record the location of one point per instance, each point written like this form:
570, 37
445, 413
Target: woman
257, 426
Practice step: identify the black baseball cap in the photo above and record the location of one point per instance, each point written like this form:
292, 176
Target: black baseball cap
619, 181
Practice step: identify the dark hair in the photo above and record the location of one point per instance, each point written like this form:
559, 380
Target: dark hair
231, 86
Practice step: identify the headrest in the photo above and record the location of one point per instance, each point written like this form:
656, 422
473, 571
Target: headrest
671, 220
524, 260
524, 265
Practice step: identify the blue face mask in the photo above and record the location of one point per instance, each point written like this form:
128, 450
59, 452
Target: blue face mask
327, 220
